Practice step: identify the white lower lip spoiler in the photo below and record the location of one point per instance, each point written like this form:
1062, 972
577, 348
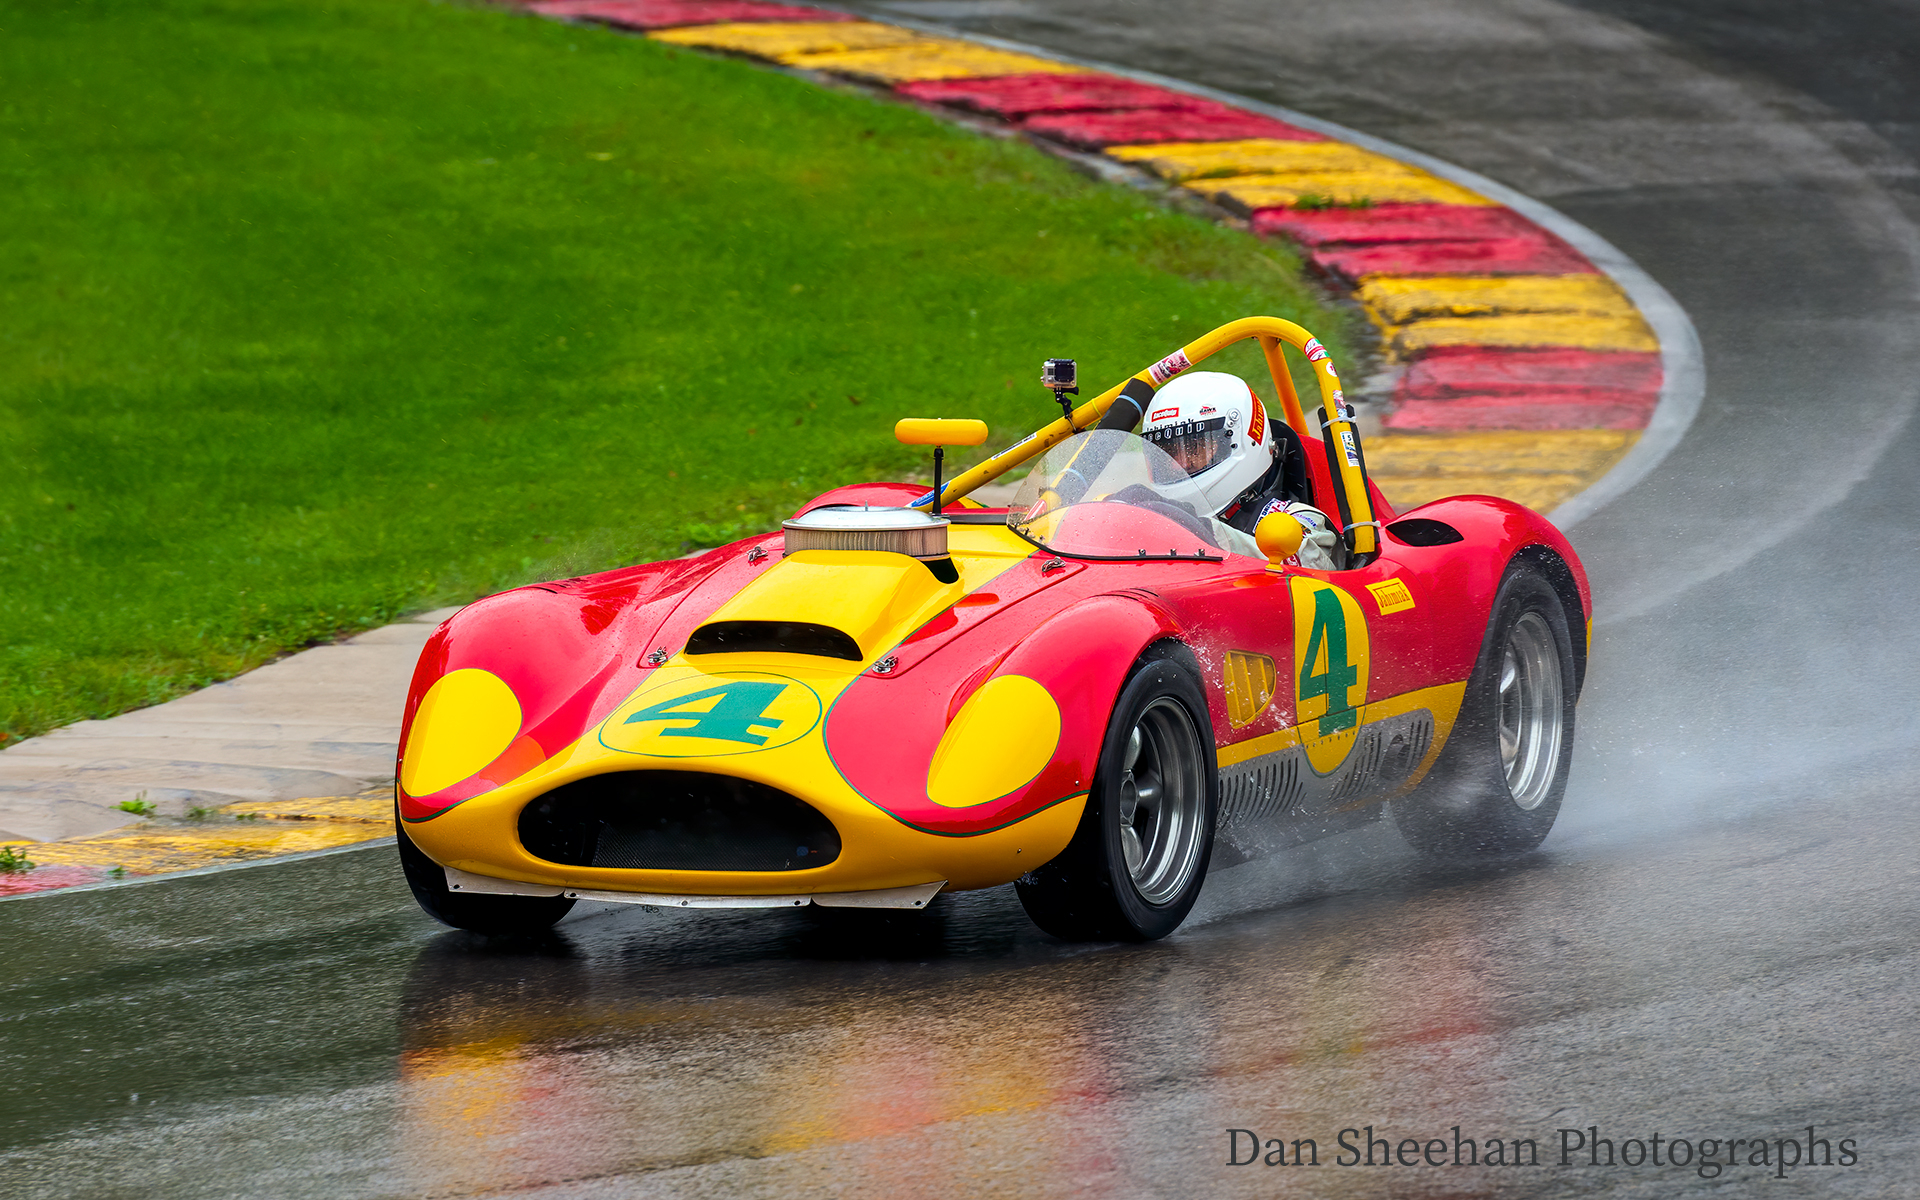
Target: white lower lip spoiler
916, 896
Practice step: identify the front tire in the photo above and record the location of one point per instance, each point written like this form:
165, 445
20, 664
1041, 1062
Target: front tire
1135, 866
1500, 779
521, 915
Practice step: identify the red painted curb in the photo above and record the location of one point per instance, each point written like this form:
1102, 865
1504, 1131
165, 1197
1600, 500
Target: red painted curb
1394, 223
1477, 370
1475, 387
1545, 408
46, 879
1198, 121
1026, 95
1539, 254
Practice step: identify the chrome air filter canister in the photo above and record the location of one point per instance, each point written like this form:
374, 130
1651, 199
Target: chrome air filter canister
857, 527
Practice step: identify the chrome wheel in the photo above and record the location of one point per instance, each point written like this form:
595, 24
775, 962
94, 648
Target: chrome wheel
1529, 710
1162, 802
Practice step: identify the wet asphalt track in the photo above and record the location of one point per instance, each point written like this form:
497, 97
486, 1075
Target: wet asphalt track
1718, 941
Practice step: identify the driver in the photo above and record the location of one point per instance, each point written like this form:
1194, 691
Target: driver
1247, 466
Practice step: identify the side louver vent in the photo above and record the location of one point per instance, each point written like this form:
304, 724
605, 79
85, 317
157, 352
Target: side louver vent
677, 821
1266, 789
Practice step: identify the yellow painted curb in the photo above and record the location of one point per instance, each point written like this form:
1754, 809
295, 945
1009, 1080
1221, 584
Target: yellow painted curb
1536, 468
1399, 299
235, 833
1336, 187
932, 58
779, 42
1628, 332
1182, 161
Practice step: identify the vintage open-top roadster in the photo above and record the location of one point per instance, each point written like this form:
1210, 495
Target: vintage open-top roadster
1096, 693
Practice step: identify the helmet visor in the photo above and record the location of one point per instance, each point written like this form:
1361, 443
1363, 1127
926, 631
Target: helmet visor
1194, 445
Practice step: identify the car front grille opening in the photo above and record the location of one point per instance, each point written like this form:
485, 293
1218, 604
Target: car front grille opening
677, 821
773, 637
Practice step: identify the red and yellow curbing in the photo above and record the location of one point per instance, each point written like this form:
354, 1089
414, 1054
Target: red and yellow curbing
1524, 371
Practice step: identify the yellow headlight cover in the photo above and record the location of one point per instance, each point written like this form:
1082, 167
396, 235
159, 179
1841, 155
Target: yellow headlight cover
464, 722
1003, 736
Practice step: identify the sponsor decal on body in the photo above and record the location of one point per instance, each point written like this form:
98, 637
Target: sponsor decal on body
1170, 366
1391, 595
1257, 427
1352, 448
1315, 351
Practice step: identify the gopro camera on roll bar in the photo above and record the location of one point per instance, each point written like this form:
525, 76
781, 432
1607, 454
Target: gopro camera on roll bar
1060, 375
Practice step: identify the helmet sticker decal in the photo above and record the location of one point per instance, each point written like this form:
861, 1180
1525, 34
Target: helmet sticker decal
1257, 427
1163, 414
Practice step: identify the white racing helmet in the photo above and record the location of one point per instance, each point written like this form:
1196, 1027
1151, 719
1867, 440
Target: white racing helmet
1215, 428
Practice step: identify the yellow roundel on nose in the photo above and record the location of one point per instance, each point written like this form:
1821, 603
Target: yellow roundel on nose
1003, 736
464, 721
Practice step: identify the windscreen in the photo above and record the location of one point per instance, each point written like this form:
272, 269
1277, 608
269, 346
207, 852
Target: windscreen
1106, 494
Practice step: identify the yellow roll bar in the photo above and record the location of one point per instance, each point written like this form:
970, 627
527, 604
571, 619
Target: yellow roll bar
1340, 437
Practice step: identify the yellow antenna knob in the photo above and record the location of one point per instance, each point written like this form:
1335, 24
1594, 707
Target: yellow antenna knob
1279, 536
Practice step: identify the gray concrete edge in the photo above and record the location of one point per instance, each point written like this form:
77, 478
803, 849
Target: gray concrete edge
1683, 363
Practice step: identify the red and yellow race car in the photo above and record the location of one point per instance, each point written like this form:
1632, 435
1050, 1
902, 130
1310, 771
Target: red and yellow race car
1097, 693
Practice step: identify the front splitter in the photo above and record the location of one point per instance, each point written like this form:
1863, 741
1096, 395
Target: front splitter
916, 896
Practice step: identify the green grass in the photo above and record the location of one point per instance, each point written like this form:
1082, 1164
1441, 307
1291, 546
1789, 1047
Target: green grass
317, 312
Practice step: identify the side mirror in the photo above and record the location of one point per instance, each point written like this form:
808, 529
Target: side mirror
1279, 536
939, 433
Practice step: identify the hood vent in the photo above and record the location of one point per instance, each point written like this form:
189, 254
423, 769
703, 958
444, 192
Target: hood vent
853, 527
773, 637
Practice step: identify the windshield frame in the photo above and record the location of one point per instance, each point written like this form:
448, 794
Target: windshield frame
1142, 556
1119, 462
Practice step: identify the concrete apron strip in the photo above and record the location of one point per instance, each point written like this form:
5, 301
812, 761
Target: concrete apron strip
295, 756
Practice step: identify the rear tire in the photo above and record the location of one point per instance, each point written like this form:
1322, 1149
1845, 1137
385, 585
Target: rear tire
1500, 779
1139, 857
481, 914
